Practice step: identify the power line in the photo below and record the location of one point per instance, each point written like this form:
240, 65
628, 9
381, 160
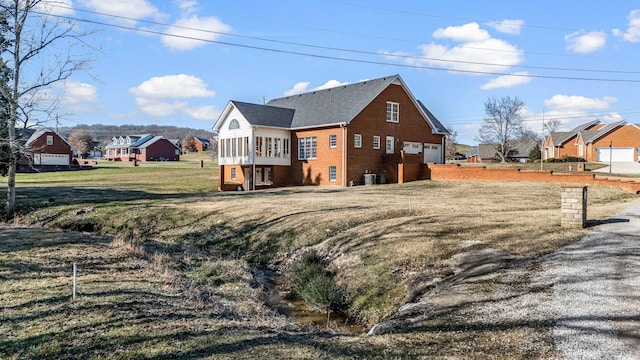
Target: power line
330, 57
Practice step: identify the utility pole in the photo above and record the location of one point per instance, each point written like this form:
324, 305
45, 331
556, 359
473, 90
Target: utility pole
57, 123
542, 142
610, 155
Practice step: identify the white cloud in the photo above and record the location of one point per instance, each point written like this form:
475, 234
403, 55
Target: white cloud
187, 7
297, 88
477, 51
204, 112
159, 96
303, 86
135, 9
184, 32
586, 42
156, 107
633, 31
76, 92
507, 81
56, 7
172, 86
573, 103
490, 55
512, 27
470, 32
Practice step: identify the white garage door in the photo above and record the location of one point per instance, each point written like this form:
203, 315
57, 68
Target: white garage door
615, 154
432, 153
51, 159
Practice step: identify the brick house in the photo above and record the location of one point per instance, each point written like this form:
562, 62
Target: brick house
45, 150
518, 151
563, 143
619, 141
141, 148
202, 144
347, 135
596, 142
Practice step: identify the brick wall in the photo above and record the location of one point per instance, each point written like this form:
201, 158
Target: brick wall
480, 173
623, 137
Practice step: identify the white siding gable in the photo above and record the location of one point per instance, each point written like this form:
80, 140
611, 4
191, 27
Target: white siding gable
234, 126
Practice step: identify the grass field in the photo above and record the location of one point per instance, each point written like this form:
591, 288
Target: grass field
165, 262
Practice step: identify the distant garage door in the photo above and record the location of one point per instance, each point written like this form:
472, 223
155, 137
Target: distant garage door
51, 159
432, 153
615, 154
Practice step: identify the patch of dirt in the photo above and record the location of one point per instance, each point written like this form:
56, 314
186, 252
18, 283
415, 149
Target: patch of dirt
450, 285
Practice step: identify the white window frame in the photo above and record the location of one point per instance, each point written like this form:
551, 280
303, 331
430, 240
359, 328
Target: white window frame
333, 173
307, 148
376, 142
357, 141
580, 150
49, 139
389, 142
393, 112
333, 141
233, 173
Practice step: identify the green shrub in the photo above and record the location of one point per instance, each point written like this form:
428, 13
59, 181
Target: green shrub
314, 284
572, 159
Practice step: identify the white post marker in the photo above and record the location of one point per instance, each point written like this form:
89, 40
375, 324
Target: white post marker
75, 271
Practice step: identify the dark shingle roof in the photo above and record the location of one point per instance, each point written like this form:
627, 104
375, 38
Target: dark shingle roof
590, 136
436, 125
332, 106
265, 115
560, 137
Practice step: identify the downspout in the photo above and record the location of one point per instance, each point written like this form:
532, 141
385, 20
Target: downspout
343, 126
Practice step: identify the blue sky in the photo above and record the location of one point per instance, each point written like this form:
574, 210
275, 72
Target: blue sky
570, 60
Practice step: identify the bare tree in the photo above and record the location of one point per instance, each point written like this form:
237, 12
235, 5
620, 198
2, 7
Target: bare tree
39, 50
503, 124
450, 144
189, 144
81, 141
552, 125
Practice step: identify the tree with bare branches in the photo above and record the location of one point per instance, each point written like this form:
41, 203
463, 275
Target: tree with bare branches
503, 124
38, 51
450, 144
82, 142
189, 144
552, 125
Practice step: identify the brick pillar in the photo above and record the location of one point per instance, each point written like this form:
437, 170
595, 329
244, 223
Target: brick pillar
574, 207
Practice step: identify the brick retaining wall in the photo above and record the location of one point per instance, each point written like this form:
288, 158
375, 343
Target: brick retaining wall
481, 173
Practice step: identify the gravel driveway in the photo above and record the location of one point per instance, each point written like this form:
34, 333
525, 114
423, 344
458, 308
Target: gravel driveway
587, 294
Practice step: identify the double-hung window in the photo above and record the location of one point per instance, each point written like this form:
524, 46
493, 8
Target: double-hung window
376, 142
393, 112
333, 141
332, 173
357, 141
307, 147
49, 139
390, 143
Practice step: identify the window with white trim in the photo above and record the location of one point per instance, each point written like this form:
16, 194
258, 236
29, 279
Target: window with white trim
49, 139
333, 173
393, 112
390, 143
376, 142
307, 147
233, 173
258, 146
333, 141
357, 141
285, 148
580, 150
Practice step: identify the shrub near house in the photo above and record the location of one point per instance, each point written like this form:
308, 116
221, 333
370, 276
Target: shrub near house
338, 136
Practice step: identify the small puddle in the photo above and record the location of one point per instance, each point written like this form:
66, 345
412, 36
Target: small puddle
280, 301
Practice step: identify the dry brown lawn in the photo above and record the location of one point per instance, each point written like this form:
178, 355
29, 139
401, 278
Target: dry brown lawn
175, 281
